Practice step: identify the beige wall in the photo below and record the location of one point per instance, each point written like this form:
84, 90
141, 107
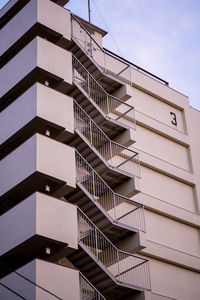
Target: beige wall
54, 107
171, 233
60, 281
173, 282
194, 125
40, 215
38, 53
161, 147
156, 109
42, 11
41, 154
38, 101
166, 188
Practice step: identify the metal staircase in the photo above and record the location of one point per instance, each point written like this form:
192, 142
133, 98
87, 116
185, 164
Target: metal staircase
115, 273
88, 291
109, 63
109, 106
99, 56
114, 155
104, 217
114, 214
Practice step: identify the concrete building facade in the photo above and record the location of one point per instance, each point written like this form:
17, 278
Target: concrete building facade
99, 167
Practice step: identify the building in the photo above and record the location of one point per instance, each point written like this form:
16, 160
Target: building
99, 169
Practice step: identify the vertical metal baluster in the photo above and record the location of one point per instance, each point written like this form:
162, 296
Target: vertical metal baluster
93, 185
111, 153
81, 286
115, 207
118, 266
88, 83
90, 131
108, 109
96, 242
104, 61
78, 220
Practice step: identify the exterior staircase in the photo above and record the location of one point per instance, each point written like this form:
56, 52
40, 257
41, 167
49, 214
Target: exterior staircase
114, 214
115, 273
111, 107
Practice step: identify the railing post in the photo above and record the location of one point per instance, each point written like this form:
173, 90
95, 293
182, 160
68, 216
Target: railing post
72, 28
81, 286
90, 131
118, 266
88, 82
108, 108
104, 53
93, 183
73, 68
78, 221
115, 214
130, 76
111, 154
96, 242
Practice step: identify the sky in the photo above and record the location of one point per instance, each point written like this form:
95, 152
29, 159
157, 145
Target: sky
161, 36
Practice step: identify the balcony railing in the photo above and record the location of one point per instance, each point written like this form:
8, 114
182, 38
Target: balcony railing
116, 155
88, 291
111, 106
119, 209
109, 62
122, 267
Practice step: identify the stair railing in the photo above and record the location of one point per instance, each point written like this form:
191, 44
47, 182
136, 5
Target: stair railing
124, 268
106, 59
88, 291
120, 209
116, 155
111, 106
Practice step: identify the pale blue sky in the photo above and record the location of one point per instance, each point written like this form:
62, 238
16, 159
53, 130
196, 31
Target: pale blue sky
162, 36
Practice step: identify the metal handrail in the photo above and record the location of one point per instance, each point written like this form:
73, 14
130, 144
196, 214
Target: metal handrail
118, 57
88, 291
118, 208
107, 52
95, 92
124, 268
101, 60
116, 155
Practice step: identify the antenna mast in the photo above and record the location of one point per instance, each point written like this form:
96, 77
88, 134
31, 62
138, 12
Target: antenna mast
90, 29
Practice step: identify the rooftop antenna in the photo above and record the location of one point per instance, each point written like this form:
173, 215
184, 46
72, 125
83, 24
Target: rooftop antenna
90, 29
